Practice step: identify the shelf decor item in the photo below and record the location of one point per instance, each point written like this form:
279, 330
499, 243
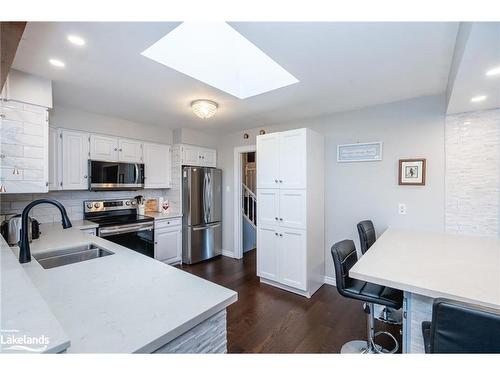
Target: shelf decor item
412, 172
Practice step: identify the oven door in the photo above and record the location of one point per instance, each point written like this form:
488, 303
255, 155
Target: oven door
109, 175
137, 237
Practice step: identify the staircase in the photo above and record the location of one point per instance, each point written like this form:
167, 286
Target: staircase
249, 205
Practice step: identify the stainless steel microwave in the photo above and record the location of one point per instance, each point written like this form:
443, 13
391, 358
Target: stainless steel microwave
110, 175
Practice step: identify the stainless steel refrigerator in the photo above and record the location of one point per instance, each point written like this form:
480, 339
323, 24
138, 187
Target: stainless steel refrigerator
201, 213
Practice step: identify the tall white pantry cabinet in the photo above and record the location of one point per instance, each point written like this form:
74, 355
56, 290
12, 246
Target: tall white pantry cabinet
290, 215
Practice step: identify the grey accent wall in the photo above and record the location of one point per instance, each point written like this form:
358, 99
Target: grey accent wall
369, 190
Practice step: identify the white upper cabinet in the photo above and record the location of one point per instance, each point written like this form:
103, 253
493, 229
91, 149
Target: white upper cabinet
53, 159
129, 150
103, 147
75, 155
157, 166
292, 159
190, 155
198, 156
268, 161
24, 146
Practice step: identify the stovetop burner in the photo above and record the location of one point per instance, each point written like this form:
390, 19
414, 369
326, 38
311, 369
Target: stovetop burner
113, 212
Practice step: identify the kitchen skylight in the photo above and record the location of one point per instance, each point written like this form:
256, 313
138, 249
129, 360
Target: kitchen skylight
216, 54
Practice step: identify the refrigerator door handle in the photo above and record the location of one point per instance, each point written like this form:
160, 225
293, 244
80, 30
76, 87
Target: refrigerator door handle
206, 227
205, 216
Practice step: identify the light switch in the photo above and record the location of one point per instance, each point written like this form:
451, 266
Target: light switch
402, 208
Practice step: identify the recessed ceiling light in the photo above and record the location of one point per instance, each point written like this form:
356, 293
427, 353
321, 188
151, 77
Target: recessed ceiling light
493, 72
479, 98
76, 40
57, 63
218, 55
467, 123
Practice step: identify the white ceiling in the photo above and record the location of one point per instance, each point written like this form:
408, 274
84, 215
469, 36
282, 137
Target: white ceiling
340, 66
481, 53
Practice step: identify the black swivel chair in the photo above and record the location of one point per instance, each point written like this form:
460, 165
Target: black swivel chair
367, 237
461, 328
344, 257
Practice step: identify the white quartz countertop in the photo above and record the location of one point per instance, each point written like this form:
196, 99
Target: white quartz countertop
162, 216
122, 303
463, 268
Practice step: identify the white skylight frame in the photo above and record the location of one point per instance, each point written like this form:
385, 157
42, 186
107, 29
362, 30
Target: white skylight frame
216, 54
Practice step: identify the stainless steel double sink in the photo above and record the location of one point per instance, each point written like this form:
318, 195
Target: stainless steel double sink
62, 257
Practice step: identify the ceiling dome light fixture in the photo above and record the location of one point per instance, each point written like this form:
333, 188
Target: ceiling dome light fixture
204, 108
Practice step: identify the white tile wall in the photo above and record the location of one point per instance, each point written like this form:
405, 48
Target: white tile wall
472, 142
72, 201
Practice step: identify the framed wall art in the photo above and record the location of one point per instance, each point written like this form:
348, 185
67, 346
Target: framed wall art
412, 172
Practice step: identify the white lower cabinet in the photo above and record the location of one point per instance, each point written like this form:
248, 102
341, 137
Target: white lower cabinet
281, 256
168, 241
268, 252
292, 258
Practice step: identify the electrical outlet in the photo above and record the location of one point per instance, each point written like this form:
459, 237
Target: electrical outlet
402, 209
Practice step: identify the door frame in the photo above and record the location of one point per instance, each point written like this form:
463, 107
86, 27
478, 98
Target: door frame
238, 178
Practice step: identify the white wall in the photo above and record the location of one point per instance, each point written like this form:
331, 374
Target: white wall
63, 117
357, 191
194, 137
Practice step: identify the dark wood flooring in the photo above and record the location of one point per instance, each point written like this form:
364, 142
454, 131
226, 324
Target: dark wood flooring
270, 320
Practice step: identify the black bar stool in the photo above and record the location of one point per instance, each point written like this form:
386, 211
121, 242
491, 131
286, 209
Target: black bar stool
367, 237
461, 328
344, 257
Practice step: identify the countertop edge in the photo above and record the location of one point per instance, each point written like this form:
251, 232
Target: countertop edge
185, 327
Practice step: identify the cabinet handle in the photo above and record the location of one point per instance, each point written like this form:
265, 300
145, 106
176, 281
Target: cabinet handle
120, 149
2, 115
281, 219
281, 234
275, 218
116, 149
275, 233
281, 181
84, 176
276, 181
156, 243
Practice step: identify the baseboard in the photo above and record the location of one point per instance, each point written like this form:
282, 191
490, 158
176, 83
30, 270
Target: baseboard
330, 280
228, 253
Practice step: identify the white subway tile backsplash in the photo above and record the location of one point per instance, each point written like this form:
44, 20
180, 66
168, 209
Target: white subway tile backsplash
72, 201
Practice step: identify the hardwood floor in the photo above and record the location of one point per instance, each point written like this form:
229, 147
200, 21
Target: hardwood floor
270, 320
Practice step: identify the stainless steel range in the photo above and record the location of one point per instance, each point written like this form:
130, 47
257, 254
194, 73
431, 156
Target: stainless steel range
119, 223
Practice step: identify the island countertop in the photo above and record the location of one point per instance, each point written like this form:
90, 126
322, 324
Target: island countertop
459, 267
122, 303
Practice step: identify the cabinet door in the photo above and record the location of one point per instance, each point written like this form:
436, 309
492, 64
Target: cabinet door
292, 203
191, 155
75, 151
129, 150
168, 245
208, 158
267, 252
157, 166
292, 258
268, 206
292, 159
103, 147
268, 161
54, 159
